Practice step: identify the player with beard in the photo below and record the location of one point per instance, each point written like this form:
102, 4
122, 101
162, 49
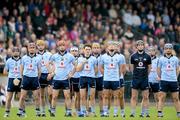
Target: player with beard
140, 66
30, 71
96, 52
168, 70
110, 67
12, 68
44, 80
61, 72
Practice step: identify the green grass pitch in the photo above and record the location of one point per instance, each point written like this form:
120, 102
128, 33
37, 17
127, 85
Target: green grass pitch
169, 114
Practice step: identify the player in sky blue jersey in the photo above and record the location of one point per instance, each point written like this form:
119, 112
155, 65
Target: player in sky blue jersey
168, 70
153, 77
30, 71
87, 66
122, 84
12, 68
44, 80
96, 52
110, 66
61, 62
140, 66
74, 80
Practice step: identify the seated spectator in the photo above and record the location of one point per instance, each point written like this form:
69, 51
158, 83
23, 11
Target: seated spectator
136, 19
112, 12
127, 17
165, 18
150, 16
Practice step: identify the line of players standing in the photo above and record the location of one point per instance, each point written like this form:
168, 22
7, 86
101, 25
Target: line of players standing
83, 72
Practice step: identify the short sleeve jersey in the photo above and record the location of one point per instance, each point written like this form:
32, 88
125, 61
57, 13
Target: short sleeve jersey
62, 65
140, 62
88, 68
13, 68
168, 68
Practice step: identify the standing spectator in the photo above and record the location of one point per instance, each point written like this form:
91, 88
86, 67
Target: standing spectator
38, 23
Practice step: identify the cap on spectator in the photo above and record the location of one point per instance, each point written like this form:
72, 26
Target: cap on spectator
40, 42
168, 45
139, 42
15, 49
74, 49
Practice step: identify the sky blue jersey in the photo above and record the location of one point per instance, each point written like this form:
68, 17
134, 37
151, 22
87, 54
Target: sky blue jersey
153, 74
44, 58
111, 66
98, 58
31, 65
168, 68
62, 65
13, 68
76, 74
88, 68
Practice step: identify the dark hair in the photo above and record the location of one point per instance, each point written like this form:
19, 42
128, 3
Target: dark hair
87, 45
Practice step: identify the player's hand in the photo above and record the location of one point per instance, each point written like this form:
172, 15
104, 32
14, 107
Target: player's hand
70, 75
49, 77
85, 61
158, 78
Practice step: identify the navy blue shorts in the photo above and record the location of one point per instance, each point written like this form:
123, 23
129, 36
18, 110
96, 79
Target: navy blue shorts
43, 80
74, 84
61, 84
140, 84
154, 87
85, 81
112, 85
122, 83
166, 86
11, 87
30, 83
99, 83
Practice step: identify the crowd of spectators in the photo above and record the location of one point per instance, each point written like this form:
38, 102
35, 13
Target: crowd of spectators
86, 21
